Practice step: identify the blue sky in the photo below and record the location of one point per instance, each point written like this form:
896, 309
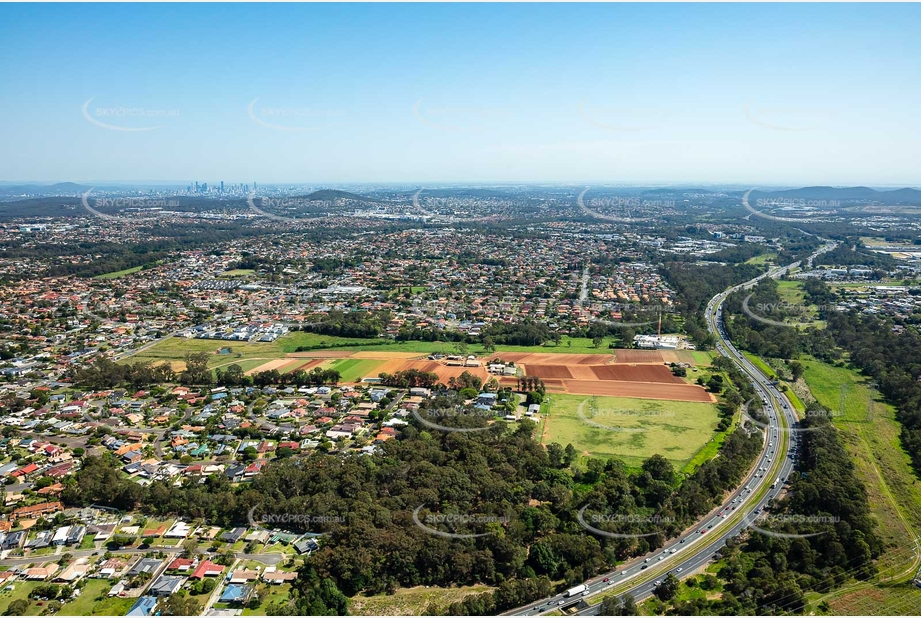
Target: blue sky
762, 94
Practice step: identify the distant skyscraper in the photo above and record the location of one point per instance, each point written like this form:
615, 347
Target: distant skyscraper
196, 186
222, 186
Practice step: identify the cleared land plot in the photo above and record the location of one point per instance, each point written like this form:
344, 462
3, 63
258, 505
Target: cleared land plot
639, 373
302, 366
630, 429
553, 359
549, 371
277, 363
640, 390
385, 355
444, 372
639, 356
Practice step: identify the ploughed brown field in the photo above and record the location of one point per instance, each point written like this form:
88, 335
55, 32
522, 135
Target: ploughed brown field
526, 358
637, 373
639, 356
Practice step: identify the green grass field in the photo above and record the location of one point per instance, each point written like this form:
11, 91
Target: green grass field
21, 590
762, 259
631, 429
354, 369
871, 435
120, 273
269, 595
237, 272
87, 604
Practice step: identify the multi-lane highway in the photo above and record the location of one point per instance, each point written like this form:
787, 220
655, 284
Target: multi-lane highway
695, 548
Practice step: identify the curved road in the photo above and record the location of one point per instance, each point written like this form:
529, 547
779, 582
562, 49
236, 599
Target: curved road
695, 548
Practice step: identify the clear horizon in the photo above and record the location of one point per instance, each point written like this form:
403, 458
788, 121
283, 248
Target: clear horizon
758, 95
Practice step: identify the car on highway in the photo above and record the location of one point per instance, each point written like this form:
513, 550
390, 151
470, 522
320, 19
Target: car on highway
606, 579
645, 566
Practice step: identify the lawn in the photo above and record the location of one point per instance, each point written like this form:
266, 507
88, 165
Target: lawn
237, 272
354, 369
762, 259
411, 601
871, 434
629, 429
119, 273
269, 595
20, 590
88, 603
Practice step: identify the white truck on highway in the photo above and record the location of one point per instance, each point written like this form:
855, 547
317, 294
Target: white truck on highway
577, 590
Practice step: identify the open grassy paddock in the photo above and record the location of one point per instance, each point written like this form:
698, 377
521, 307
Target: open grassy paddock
869, 430
630, 429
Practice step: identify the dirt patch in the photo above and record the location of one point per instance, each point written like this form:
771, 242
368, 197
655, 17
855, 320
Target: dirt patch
321, 354
637, 373
527, 358
272, 364
685, 356
670, 356
583, 372
386, 355
548, 371
310, 364
640, 390
639, 356
443, 372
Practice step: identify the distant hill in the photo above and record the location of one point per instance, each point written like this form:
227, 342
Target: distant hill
60, 188
893, 197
